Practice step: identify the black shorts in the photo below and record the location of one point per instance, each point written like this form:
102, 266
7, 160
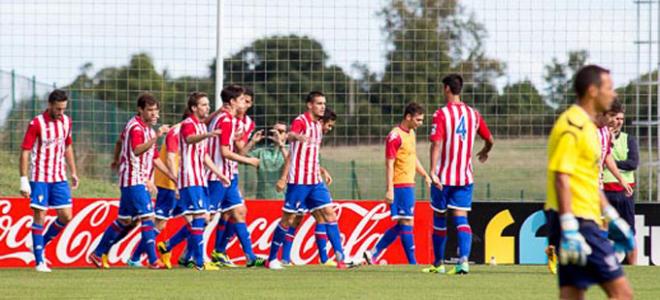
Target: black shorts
625, 206
602, 264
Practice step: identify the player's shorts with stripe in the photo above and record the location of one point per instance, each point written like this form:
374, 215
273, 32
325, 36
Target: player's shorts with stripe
135, 202
193, 200
216, 191
403, 204
602, 265
312, 196
165, 203
624, 205
454, 197
232, 197
50, 195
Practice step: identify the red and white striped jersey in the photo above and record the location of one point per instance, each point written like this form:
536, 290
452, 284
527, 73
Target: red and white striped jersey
228, 124
456, 126
304, 167
136, 169
48, 139
605, 139
191, 168
246, 126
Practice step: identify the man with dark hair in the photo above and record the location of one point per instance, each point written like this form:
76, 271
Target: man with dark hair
48, 140
453, 132
304, 181
401, 165
626, 156
575, 204
138, 157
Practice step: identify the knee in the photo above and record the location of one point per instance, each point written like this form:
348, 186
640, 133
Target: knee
329, 215
65, 218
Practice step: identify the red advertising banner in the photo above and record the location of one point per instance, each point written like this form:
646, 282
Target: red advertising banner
361, 223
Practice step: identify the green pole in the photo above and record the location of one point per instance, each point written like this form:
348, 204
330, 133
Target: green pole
13, 105
34, 95
488, 191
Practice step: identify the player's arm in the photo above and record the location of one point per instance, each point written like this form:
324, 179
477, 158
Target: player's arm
208, 162
29, 140
196, 138
632, 161
170, 162
611, 165
419, 168
389, 180
619, 230
436, 137
160, 165
258, 136
71, 162
485, 134
115, 155
326, 175
146, 145
281, 183
297, 132
227, 153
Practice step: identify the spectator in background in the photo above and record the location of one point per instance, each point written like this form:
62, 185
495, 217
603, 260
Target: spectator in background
626, 155
272, 157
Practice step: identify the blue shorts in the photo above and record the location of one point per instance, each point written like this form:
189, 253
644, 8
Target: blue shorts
216, 191
624, 205
454, 197
135, 202
300, 197
165, 203
233, 197
602, 264
50, 195
193, 200
403, 205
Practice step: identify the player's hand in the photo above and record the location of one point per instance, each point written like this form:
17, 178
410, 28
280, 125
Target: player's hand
326, 177
225, 180
280, 184
436, 181
258, 136
151, 187
301, 137
389, 196
629, 190
253, 161
163, 130
26, 190
176, 194
619, 231
483, 156
238, 134
114, 165
573, 247
75, 182
214, 133
428, 181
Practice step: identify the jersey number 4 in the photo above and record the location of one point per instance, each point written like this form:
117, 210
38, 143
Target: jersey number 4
461, 129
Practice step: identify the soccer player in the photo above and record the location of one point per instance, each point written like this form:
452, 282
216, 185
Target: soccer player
167, 193
48, 142
304, 181
137, 159
328, 122
626, 156
453, 133
228, 199
575, 204
401, 164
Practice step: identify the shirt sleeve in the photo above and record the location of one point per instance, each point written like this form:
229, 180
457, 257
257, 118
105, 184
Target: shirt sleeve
31, 135
171, 143
392, 145
483, 130
248, 132
187, 129
136, 137
437, 127
298, 126
227, 131
565, 154
631, 163
69, 139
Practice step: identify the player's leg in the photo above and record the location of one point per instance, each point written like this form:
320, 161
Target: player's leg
216, 192
397, 212
165, 202
460, 202
288, 240
439, 236
320, 199
295, 194
625, 206
116, 231
571, 293
321, 238
406, 205
238, 215
618, 289
60, 199
39, 205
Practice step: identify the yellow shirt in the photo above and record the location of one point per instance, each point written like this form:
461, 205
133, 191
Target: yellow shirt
400, 146
574, 149
171, 145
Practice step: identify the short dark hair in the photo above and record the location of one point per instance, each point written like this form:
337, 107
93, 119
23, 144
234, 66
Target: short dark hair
312, 95
248, 91
617, 107
231, 91
193, 100
147, 99
413, 109
454, 82
329, 115
57, 96
586, 77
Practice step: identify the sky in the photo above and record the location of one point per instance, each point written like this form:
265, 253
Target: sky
52, 39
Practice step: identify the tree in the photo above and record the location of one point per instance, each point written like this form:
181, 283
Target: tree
522, 109
558, 77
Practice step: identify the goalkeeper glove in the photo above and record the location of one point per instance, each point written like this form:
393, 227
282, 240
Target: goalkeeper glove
573, 247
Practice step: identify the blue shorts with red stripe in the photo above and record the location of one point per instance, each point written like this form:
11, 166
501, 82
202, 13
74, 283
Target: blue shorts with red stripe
165, 203
403, 204
50, 195
306, 196
454, 197
135, 202
193, 200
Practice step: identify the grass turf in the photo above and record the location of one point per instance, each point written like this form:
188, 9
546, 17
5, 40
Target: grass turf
309, 282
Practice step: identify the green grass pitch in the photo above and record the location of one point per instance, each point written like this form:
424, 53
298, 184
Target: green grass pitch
308, 282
